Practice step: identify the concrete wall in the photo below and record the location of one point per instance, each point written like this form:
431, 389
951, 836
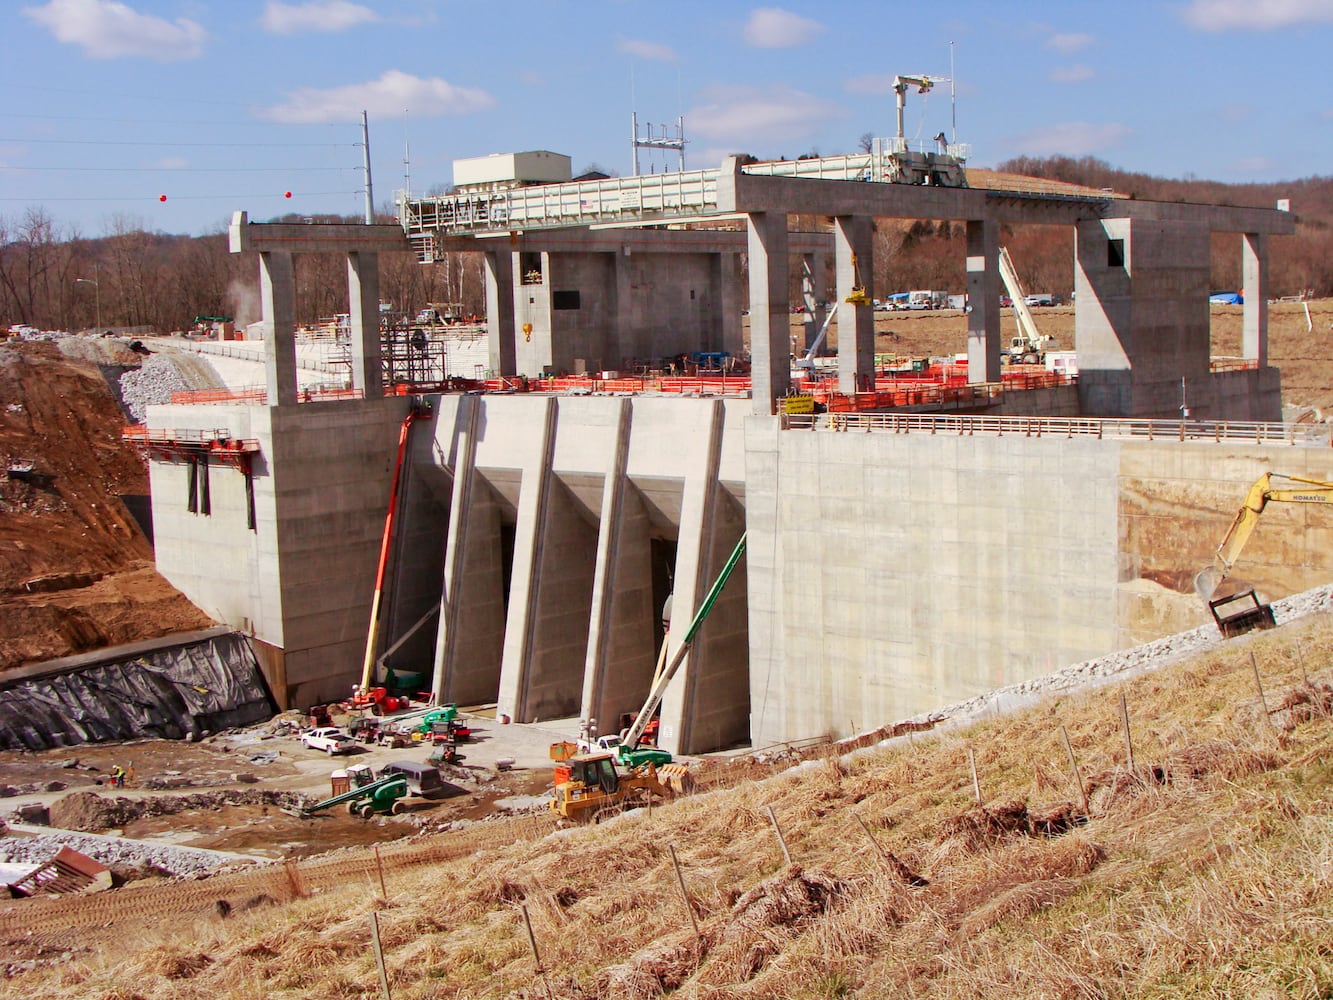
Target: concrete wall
918, 571
584, 486
631, 306
302, 580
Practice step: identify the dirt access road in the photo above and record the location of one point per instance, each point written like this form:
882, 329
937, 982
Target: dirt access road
233, 787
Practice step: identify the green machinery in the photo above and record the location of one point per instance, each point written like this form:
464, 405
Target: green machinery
368, 795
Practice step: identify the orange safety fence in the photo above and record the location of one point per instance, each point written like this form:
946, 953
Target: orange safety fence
258, 395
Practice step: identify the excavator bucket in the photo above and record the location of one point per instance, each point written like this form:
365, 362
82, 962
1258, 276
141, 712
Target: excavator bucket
677, 777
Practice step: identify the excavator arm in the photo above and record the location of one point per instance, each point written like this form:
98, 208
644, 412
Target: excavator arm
1260, 495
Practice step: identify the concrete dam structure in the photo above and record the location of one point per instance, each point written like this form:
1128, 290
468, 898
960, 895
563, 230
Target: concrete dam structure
895, 562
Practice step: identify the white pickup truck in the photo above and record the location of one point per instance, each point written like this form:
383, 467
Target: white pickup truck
330, 739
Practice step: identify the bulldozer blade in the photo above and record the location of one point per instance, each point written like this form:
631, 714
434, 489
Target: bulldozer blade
677, 777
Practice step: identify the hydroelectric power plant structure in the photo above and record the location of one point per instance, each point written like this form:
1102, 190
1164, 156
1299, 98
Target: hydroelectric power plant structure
898, 559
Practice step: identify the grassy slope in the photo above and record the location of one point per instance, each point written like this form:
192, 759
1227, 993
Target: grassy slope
1217, 882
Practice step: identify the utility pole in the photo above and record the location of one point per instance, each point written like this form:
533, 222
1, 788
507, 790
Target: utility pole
365, 151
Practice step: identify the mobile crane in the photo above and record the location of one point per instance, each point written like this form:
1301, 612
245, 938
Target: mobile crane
1029, 346
1260, 495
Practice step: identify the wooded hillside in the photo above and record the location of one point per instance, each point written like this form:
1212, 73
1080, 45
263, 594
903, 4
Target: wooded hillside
55, 278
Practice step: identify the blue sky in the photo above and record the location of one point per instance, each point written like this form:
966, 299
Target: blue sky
227, 104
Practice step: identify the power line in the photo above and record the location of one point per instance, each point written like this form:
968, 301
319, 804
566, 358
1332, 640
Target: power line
180, 197
176, 145
180, 170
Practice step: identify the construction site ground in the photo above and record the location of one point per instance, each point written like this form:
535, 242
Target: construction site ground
504, 770
76, 574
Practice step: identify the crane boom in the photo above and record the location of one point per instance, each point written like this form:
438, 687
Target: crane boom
923, 85
1260, 495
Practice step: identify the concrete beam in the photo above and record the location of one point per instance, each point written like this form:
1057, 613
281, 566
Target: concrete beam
645, 240
770, 348
1218, 218
312, 237
855, 264
983, 300
1254, 316
277, 299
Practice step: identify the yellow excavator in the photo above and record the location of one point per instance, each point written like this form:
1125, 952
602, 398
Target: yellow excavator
1261, 494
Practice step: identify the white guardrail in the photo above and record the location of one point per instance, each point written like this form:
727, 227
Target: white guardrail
1306, 435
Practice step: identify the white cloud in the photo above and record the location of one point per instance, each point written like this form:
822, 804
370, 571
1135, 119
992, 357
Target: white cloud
1069, 42
1071, 139
316, 15
106, 29
775, 28
870, 83
1072, 74
1226, 15
749, 114
646, 50
389, 95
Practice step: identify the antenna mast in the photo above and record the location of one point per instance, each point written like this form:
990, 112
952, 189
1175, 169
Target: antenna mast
664, 140
953, 103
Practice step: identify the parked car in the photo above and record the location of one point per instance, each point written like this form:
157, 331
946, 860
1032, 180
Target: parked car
330, 739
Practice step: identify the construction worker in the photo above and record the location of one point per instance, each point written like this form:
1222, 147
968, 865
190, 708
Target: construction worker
118, 777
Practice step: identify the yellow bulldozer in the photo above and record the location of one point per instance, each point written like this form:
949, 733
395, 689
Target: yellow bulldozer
589, 787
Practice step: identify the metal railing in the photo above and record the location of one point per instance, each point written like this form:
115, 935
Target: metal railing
1251, 432
650, 196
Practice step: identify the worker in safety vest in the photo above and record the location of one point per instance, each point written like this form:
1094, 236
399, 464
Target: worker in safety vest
118, 776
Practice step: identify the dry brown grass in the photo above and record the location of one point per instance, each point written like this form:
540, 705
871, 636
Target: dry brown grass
1208, 871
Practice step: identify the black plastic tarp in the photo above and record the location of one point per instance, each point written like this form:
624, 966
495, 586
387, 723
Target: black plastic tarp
174, 692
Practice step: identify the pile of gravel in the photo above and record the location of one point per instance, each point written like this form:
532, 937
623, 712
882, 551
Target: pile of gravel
112, 852
154, 381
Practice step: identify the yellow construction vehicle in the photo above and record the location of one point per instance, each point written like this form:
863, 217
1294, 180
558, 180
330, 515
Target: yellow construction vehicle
589, 787
1260, 495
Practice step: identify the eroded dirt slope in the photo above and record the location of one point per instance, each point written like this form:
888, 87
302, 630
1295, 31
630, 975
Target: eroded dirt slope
75, 571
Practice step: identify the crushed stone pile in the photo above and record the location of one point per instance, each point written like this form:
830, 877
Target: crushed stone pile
113, 852
153, 382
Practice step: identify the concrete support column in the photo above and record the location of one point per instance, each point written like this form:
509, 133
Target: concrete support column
707, 703
516, 668
632, 339
363, 299
277, 299
728, 269
619, 666
813, 297
469, 636
500, 310
770, 311
853, 248
983, 300
1254, 316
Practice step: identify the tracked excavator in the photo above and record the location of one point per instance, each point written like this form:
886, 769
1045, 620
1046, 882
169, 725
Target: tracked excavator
1261, 494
